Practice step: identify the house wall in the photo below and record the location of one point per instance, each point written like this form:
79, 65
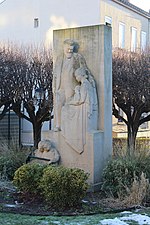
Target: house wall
17, 25
120, 13
130, 18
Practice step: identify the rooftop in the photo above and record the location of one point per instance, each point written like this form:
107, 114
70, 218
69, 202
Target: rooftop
127, 4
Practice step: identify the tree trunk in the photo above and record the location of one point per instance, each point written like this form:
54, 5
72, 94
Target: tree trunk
131, 139
37, 127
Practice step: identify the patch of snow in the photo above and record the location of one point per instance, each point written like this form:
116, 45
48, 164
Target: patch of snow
84, 201
45, 222
125, 212
141, 219
19, 203
10, 205
56, 222
137, 210
94, 203
114, 221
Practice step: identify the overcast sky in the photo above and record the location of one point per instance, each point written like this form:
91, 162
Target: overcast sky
143, 4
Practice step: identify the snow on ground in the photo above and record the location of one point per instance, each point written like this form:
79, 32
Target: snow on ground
114, 221
140, 219
123, 218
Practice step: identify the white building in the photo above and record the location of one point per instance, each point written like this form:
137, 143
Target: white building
33, 22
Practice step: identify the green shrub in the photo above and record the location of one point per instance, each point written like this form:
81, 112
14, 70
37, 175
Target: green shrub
58, 186
10, 163
7, 167
11, 158
119, 173
27, 178
63, 187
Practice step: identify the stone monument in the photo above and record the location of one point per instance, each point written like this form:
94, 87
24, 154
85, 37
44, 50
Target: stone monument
82, 90
44, 154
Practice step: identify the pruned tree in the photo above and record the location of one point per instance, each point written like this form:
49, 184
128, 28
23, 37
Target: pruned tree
131, 90
9, 63
35, 79
23, 72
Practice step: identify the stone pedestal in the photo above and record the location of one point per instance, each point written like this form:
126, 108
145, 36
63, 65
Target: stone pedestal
91, 160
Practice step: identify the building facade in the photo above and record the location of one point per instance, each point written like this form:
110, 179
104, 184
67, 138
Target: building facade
130, 24
33, 21
131, 31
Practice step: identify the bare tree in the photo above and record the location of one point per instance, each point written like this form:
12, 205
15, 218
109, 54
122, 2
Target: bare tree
24, 72
37, 79
10, 65
131, 90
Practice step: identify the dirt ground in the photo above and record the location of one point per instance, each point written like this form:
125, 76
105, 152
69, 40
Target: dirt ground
12, 201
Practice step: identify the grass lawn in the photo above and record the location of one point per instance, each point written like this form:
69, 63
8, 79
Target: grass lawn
125, 218
16, 219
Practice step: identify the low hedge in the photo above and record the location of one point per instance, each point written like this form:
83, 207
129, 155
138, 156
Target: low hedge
27, 178
59, 186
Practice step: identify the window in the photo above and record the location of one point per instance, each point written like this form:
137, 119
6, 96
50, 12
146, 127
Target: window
143, 40
121, 35
108, 19
36, 22
133, 39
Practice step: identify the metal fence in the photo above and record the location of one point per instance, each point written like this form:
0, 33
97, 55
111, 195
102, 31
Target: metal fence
10, 127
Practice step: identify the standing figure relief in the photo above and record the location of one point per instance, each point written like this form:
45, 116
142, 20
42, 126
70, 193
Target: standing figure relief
75, 97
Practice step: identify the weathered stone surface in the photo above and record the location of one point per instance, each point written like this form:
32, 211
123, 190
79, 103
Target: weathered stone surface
46, 154
84, 134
